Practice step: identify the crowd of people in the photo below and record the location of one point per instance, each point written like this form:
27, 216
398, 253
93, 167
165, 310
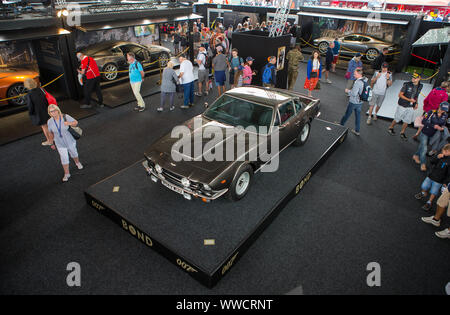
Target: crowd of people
216, 58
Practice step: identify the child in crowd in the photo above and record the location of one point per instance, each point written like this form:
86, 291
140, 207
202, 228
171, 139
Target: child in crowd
438, 176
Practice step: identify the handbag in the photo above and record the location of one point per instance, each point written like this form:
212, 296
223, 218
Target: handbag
348, 75
76, 132
313, 74
50, 98
178, 87
317, 86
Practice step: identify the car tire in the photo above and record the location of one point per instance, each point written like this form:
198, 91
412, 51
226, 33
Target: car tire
16, 89
110, 67
303, 135
165, 58
372, 54
323, 46
241, 183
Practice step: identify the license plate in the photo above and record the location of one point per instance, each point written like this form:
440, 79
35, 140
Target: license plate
172, 187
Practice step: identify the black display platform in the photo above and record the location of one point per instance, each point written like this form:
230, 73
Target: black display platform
177, 228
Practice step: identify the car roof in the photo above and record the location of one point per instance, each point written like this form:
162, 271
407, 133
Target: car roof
95, 48
265, 96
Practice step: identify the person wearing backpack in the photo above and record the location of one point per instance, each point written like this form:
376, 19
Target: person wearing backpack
381, 80
37, 107
269, 73
203, 71
236, 64
356, 100
136, 74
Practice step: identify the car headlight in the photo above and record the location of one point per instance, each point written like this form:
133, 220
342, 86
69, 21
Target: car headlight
185, 182
206, 187
158, 168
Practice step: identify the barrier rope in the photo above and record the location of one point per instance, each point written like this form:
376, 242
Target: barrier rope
157, 60
21, 95
47, 84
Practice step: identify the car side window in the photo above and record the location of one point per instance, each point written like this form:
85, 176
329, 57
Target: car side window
116, 50
287, 111
351, 38
365, 39
298, 105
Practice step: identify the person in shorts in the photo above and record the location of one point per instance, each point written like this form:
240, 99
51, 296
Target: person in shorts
381, 80
203, 72
219, 65
407, 104
438, 176
336, 49
443, 203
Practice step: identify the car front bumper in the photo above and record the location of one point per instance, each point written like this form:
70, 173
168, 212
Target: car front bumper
186, 192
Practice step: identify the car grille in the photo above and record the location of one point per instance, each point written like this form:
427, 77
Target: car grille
175, 179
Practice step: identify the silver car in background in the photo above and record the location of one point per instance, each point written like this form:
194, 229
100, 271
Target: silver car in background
351, 44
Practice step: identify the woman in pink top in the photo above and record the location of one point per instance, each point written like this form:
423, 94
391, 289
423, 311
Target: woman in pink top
436, 97
248, 73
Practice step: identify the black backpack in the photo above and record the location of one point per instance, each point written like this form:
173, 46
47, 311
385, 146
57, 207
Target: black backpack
207, 61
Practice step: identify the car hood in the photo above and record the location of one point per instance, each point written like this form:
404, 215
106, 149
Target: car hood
193, 165
18, 73
158, 48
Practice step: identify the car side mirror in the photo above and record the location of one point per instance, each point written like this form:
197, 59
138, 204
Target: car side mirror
206, 105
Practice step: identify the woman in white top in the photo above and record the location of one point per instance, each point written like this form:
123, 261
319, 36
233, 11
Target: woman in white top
61, 139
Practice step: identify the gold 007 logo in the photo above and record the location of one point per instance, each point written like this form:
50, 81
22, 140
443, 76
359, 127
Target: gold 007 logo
97, 206
185, 266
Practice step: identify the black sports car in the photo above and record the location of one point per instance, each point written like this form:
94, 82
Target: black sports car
111, 56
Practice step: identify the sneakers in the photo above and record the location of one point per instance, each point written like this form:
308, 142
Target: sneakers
198, 94
328, 81
79, 166
172, 108
101, 105
66, 177
432, 152
139, 108
84, 106
45, 143
419, 196
159, 109
391, 132
369, 121
443, 234
427, 206
416, 159
375, 117
403, 137
356, 133
184, 106
431, 220
206, 93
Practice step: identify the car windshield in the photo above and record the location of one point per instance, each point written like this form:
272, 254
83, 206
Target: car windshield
237, 112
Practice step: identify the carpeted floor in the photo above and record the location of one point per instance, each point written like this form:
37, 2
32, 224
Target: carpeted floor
359, 208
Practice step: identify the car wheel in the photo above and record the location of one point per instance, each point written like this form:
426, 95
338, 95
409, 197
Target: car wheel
111, 72
303, 135
15, 90
372, 54
241, 183
323, 46
165, 58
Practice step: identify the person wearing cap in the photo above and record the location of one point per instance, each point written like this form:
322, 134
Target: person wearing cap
407, 104
294, 58
203, 72
433, 100
354, 64
433, 121
248, 73
219, 65
269, 73
381, 80
440, 139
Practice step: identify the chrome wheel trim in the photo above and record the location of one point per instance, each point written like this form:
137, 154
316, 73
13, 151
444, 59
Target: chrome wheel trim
242, 183
17, 90
372, 54
323, 47
165, 58
305, 132
110, 68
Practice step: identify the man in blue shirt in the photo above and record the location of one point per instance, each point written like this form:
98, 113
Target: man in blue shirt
136, 74
336, 49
